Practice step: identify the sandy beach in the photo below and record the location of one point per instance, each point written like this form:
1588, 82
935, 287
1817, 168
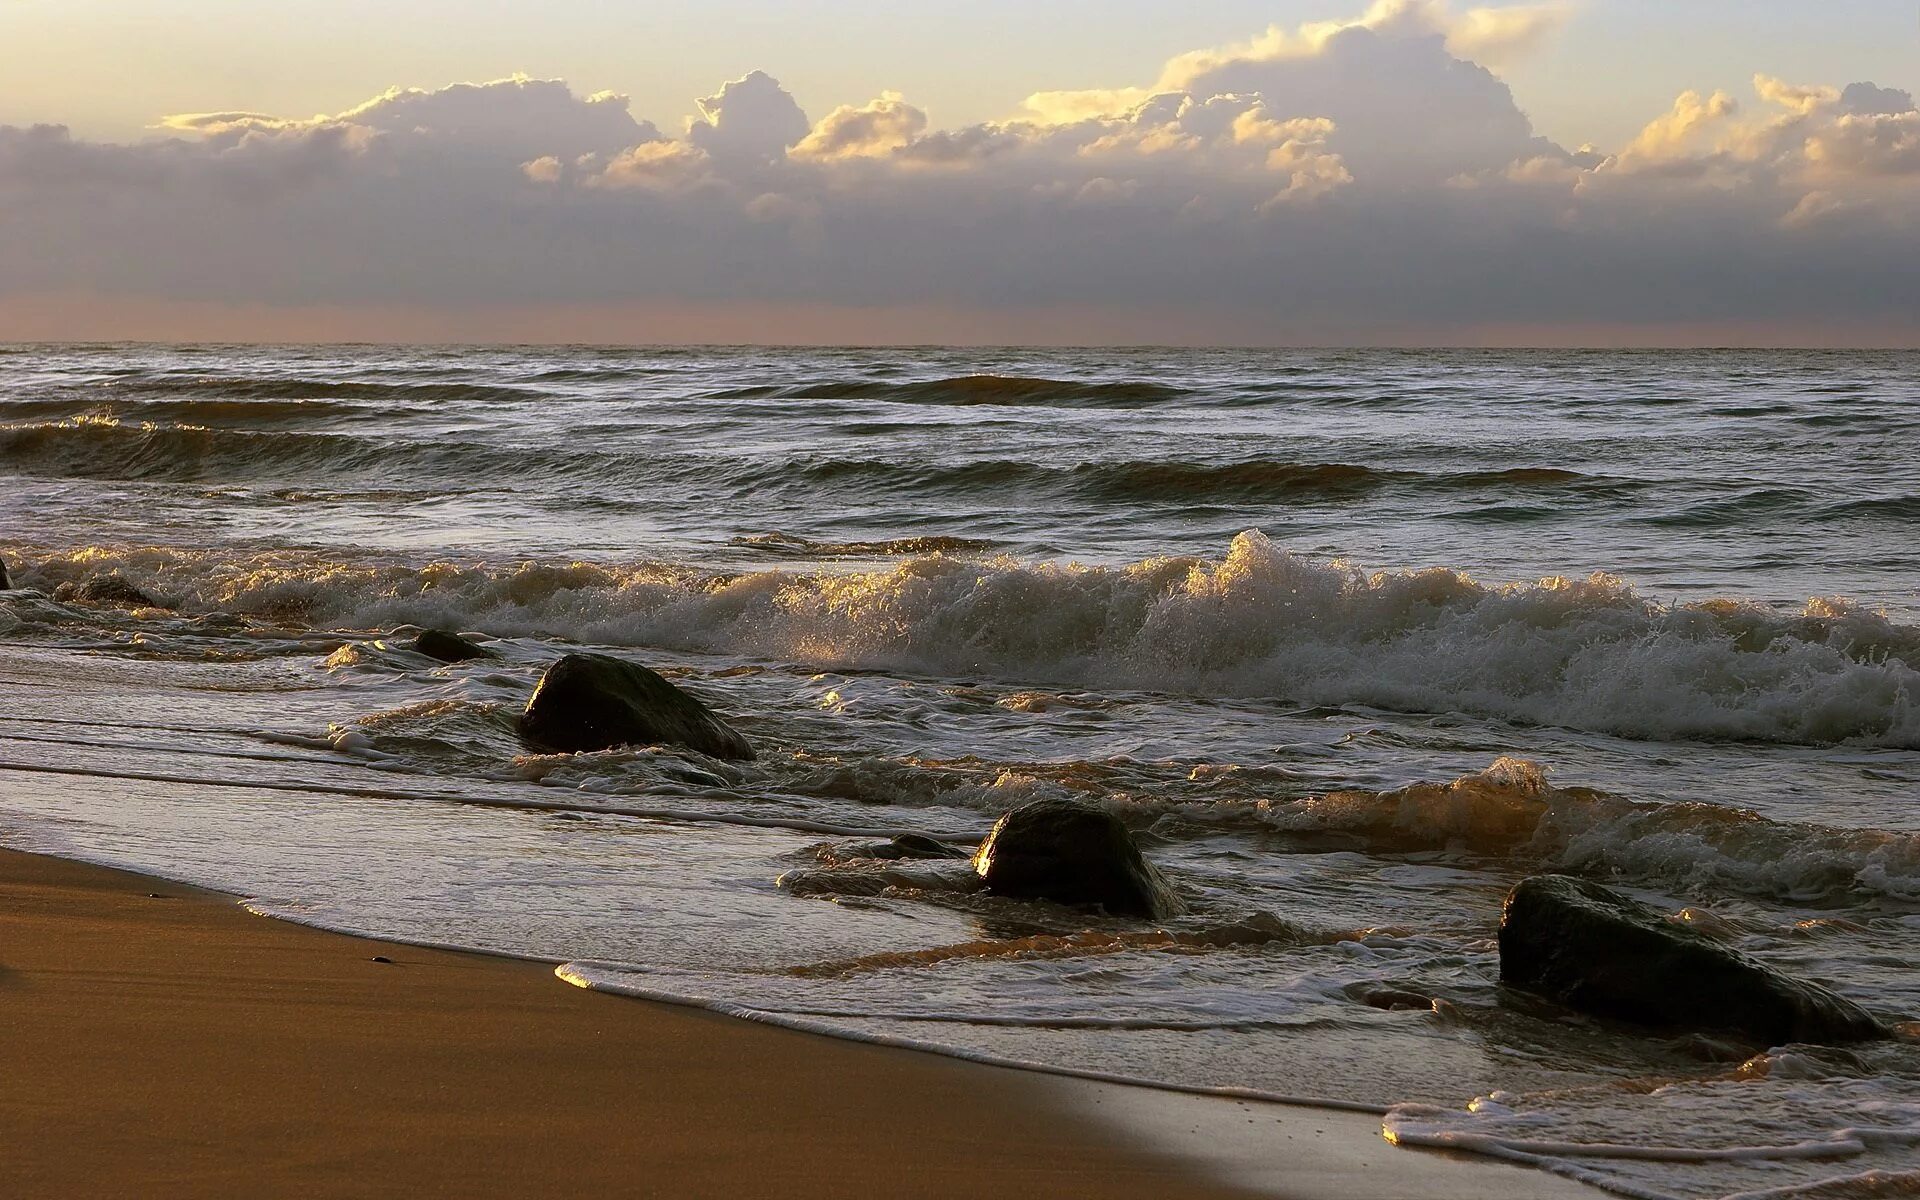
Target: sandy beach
167, 1042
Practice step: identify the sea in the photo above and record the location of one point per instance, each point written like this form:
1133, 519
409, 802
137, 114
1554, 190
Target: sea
1352, 640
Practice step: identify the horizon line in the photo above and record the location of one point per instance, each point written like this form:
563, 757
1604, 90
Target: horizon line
1231, 347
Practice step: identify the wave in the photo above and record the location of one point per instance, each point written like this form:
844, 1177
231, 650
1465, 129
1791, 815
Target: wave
95, 447
1813, 1135
970, 390
106, 447
1587, 654
794, 546
1179, 481
1894, 508
1255, 479
98, 446
1509, 814
279, 387
1510, 811
232, 413
1757, 502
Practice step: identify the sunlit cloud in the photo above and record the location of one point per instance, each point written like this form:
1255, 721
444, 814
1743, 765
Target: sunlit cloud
876, 128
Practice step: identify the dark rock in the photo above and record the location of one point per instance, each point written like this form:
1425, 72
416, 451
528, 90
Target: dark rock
449, 647
914, 845
114, 590
6, 585
1072, 853
1388, 998
597, 702
1594, 950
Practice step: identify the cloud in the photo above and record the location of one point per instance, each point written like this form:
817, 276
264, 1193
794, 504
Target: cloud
1811, 138
748, 122
1799, 99
879, 127
1870, 100
1323, 183
1406, 100
1681, 128
1494, 36
1870, 144
1482, 35
517, 118
1067, 107
655, 166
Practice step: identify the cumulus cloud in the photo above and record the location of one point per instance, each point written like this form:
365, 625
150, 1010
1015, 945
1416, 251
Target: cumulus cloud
1871, 100
876, 128
1681, 128
1802, 138
517, 118
1401, 84
1494, 36
1482, 35
749, 122
1309, 184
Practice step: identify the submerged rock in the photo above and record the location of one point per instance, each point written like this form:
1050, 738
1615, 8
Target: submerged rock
597, 702
449, 647
1389, 998
1594, 950
914, 845
113, 589
1072, 853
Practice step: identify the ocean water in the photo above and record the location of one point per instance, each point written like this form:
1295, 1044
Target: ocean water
1353, 640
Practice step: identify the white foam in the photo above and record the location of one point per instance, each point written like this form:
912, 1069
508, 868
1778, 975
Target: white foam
1493, 1128
1586, 653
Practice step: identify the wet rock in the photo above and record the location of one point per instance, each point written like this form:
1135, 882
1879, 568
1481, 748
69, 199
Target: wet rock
1704, 1047
113, 590
914, 845
1072, 853
449, 647
1595, 950
597, 702
1388, 998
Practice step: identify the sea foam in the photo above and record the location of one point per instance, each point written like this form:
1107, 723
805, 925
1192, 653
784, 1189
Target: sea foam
1587, 654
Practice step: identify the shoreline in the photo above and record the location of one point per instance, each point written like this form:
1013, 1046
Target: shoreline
184, 1045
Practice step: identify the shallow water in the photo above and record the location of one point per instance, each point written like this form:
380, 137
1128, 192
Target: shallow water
1650, 618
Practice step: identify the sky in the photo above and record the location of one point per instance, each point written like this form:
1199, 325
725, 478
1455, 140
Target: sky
1287, 172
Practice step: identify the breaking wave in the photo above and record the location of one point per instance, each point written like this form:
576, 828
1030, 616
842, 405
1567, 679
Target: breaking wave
1510, 811
1587, 654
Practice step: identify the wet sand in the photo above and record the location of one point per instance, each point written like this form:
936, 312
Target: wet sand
163, 1041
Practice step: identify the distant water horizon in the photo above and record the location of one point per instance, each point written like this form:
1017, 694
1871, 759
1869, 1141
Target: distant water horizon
1353, 638
1876, 342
